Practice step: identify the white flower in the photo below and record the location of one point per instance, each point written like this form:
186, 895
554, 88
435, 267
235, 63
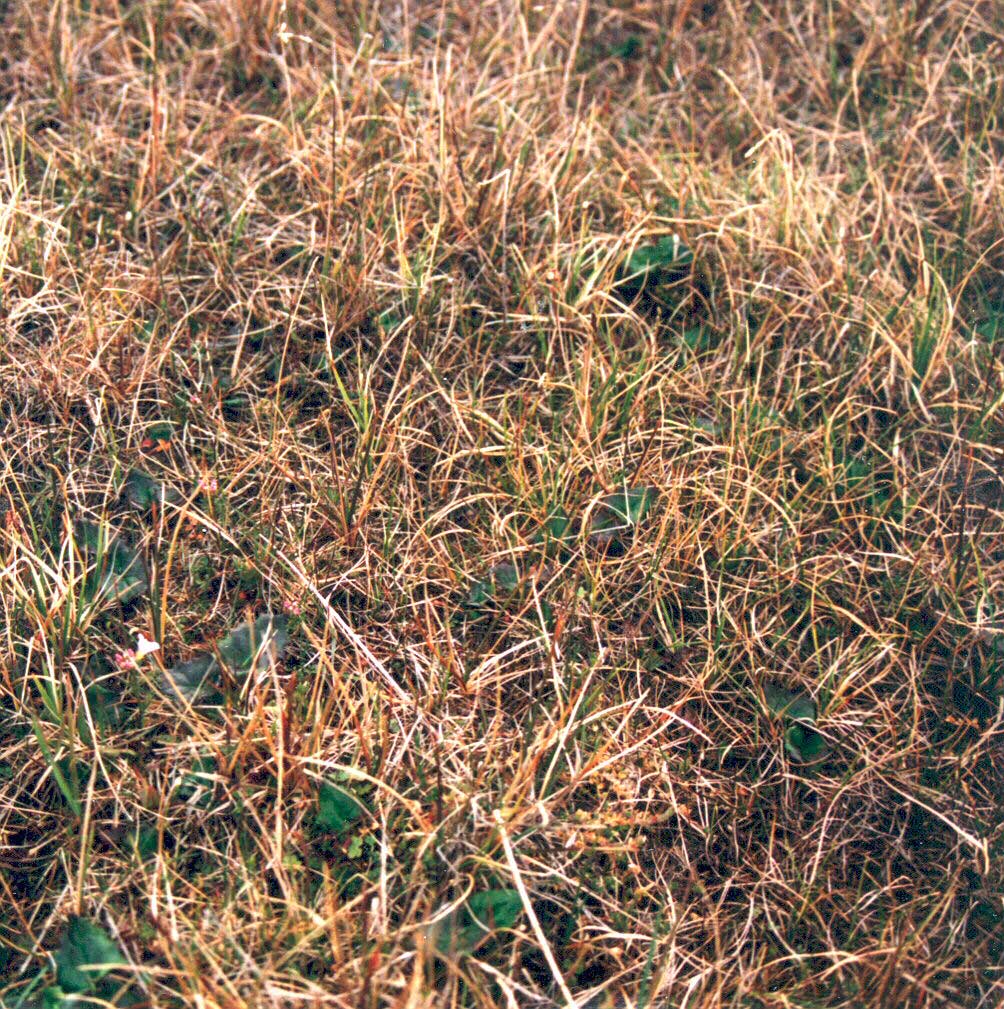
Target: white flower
144, 646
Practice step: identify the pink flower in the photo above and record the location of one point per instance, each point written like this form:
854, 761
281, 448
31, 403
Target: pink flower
209, 485
291, 606
125, 660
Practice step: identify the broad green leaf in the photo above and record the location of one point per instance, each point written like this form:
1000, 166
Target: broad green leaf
788, 703
161, 431
495, 908
502, 580
147, 842
336, 808
249, 647
668, 253
706, 425
556, 529
117, 570
389, 320
992, 327
616, 514
699, 338
196, 785
143, 492
258, 644
484, 913
652, 269
628, 49
188, 678
558, 525
86, 954
805, 744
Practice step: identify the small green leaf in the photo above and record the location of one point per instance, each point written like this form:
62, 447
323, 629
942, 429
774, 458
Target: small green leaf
355, 847
484, 913
992, 327
628, 49
788, 703
147, 842
706, 425
86, 954
653, 269
54, 997
698, 338
805, 744
143, 492
557, 525
236, 404
389, 320
101, 708
502, 580
196, 785
555, 529
615, 515
161, 431
337, 809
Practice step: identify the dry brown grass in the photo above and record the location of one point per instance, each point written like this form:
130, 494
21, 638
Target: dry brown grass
364, 258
